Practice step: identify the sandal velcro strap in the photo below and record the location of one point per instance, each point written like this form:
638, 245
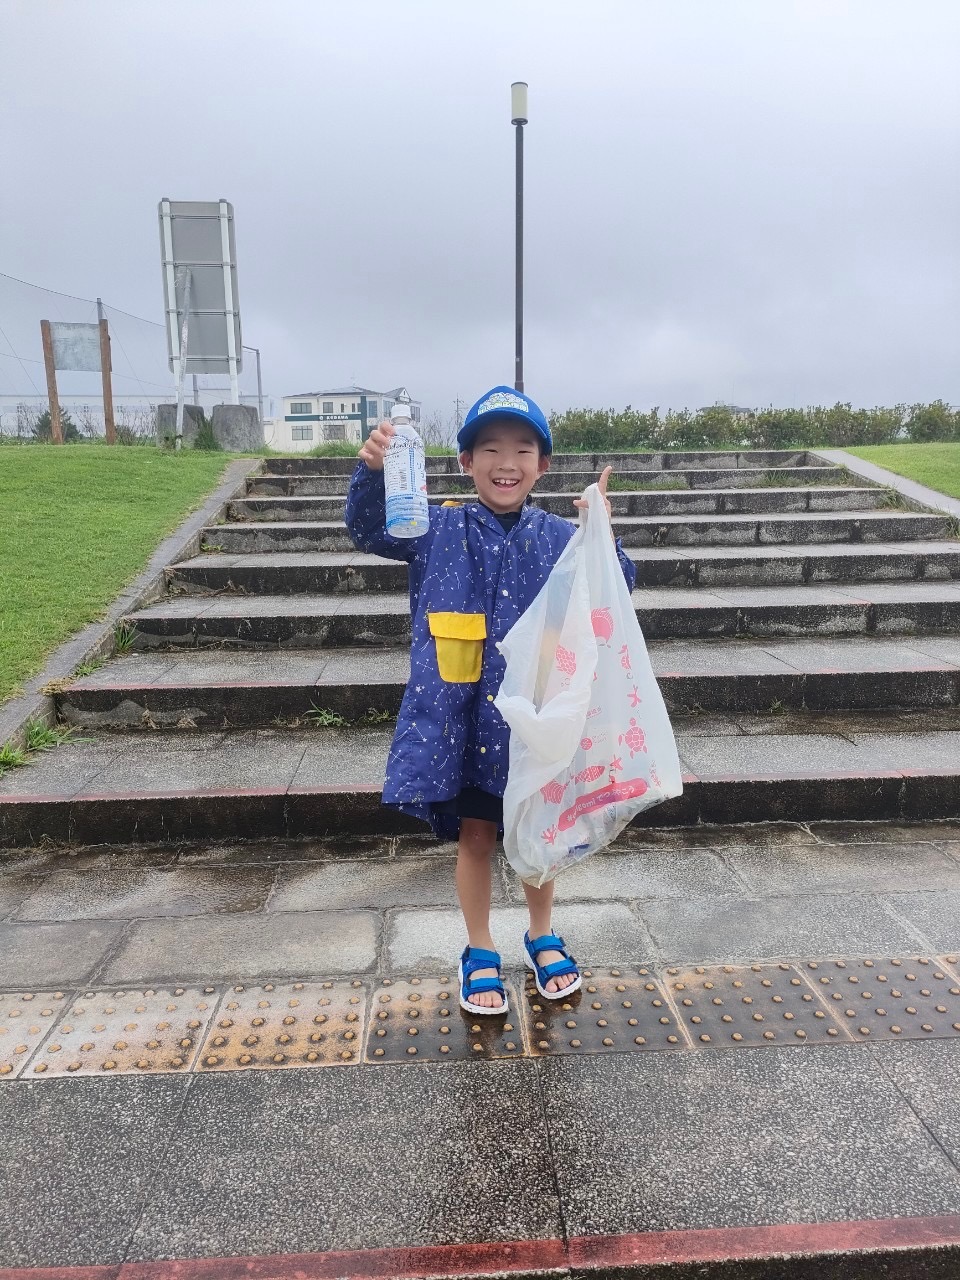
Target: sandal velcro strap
559, 968
549, 942
480, 958
476, 985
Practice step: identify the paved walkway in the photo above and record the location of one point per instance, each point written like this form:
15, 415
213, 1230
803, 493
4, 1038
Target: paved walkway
549, 1157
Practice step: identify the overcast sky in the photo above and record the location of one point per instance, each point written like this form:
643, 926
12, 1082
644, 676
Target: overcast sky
754, 201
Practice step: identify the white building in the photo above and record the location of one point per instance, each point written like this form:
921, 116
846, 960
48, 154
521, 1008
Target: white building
342, 414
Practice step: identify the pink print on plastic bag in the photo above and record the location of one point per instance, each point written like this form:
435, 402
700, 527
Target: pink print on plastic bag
566, 661
634, 738
602, 622
614, 794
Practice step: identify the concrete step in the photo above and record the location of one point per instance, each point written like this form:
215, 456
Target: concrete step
801, 767
249, 689
307, 484
651, 531
447, 464
667, 502
382, 618
279, 573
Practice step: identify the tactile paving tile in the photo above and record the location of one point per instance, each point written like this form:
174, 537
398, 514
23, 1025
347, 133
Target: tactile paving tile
286, 1024
138, 1031
614, 1011
25, 1018
420, 1019
737, 1006
893, 998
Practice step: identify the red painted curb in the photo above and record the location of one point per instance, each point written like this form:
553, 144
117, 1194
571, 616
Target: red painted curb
530, 1257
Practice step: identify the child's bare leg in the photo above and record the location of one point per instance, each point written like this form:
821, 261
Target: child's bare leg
540, 903
474, 876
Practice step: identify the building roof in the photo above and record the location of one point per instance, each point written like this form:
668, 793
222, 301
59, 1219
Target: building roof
347, 391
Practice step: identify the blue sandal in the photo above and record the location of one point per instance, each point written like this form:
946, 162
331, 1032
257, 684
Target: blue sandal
542, 973
474, 958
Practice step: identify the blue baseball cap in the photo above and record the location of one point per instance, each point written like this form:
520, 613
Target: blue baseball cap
504, 402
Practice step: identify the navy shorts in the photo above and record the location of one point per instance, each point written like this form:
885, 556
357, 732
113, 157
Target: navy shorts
473, 802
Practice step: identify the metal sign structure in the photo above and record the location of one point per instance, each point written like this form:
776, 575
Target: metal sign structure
201, 301
82, 348
75, 346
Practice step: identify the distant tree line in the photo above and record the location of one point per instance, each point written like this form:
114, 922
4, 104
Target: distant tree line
721, 427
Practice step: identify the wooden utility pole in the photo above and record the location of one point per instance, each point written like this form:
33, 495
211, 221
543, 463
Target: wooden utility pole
106, 368
56, 429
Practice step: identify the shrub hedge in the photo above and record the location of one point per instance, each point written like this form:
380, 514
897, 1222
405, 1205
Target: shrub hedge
718, 427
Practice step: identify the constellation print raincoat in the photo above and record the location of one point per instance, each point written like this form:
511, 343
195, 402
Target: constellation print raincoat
469, 583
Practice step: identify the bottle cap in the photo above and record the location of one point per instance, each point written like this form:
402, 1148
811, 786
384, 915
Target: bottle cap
400, 412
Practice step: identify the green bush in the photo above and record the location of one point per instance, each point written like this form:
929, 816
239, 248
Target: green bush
718, 427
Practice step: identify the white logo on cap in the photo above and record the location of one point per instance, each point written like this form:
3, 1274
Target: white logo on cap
503, 400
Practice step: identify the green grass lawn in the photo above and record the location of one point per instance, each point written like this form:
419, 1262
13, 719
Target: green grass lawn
936, 465
78, 523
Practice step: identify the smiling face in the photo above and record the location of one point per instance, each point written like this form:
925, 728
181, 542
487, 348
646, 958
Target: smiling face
505, 463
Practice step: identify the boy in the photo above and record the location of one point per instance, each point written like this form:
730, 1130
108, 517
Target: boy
472, 575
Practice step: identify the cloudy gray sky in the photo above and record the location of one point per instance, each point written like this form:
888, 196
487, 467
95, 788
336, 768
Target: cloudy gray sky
747, 200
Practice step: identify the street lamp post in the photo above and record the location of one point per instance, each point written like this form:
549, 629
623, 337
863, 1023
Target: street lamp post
518, 111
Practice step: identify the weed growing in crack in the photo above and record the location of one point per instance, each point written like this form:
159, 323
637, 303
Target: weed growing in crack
323, 717
124, 637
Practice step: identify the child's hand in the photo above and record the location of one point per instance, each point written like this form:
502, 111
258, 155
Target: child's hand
376, 445
602, 486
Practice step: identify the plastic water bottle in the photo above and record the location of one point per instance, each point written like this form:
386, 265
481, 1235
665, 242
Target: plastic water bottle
405, 478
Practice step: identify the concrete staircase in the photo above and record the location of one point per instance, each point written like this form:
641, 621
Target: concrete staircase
805, 629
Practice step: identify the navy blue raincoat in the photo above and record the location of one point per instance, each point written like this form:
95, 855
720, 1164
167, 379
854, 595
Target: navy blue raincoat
469, 583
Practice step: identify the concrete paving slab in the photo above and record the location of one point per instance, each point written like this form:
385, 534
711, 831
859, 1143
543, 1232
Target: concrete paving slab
134, 668
14, 888
718, 931
894, 832
666, 1142
944, 649
117, 893
931, 750
847, 868
380, 666
935, 915
710, 836
80, 1161
363, 1158
282, 666
271, 852
37, 955
707, 657
173, 769
596, 932
377, 884
64, 771
926, 1073
775, 753
285, 944
880, 653
651, 873
336, 756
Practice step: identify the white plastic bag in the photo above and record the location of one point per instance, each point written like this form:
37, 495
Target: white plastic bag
590, 739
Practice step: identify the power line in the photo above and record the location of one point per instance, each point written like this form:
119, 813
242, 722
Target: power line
22, 365
75, 298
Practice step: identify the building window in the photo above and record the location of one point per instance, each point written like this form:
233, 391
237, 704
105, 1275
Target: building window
415, 412
371, 408
302, 433
343, 407
328, 406
387, 408
336, 431
301, 406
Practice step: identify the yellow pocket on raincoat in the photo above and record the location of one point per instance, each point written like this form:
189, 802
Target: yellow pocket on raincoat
459, 638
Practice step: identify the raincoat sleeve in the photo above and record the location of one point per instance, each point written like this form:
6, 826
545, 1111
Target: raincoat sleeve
628, 567
366, 518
